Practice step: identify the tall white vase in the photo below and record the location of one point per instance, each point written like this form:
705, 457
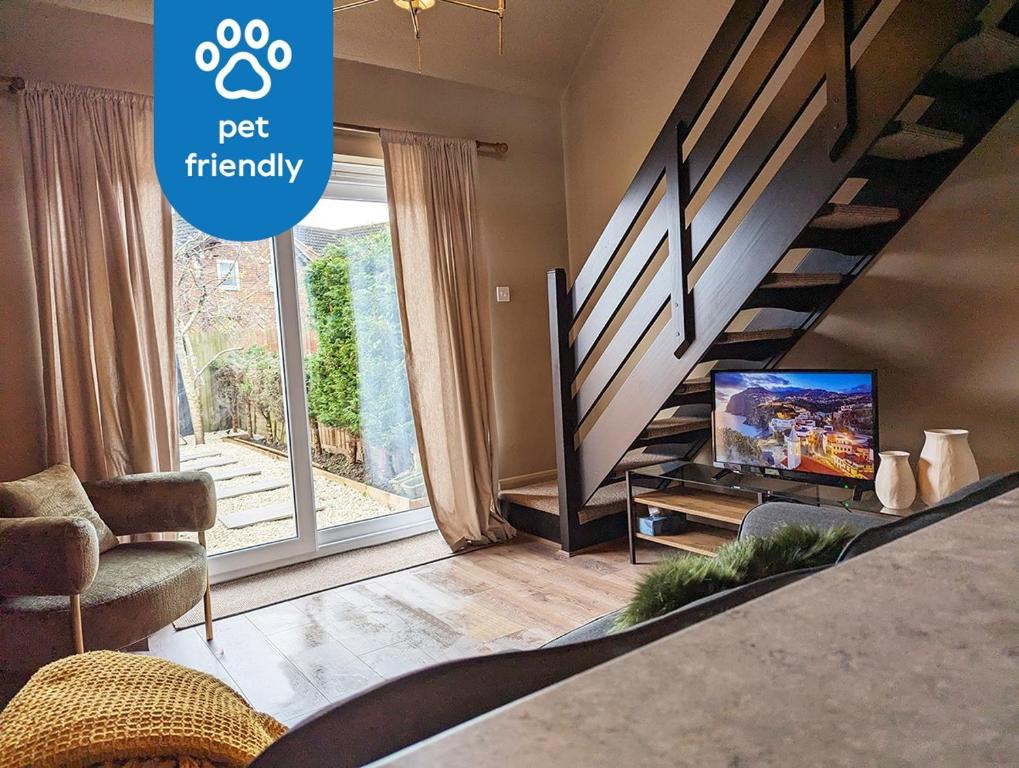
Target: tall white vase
894, 483
946, 464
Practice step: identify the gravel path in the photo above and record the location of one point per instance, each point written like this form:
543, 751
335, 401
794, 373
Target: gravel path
339, 502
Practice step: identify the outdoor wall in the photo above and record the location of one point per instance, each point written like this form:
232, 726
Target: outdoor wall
521, 200
935, 314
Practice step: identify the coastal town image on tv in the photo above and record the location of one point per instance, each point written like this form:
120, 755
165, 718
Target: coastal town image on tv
821, 422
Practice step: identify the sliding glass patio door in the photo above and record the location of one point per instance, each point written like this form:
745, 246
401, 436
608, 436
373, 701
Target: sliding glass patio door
292, 387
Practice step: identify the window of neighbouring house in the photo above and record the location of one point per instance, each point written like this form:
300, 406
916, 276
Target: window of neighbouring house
226, 271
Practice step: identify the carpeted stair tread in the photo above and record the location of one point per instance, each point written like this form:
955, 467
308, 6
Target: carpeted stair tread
778, 281
544, 497
837, 216
694, 385
633, 461
771, 334
675, 425
990, 52
912, 141
689, 392
752, 345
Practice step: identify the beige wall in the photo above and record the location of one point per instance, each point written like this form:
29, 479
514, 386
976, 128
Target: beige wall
521, 195
937, 314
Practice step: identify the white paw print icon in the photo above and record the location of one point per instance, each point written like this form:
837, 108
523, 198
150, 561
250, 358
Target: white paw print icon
256, 36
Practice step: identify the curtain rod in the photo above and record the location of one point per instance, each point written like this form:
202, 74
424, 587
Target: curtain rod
493, 147
16, 84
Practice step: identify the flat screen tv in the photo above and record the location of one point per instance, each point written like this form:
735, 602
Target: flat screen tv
816, 426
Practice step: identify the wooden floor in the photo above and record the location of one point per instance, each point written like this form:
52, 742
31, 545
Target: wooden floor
293, 658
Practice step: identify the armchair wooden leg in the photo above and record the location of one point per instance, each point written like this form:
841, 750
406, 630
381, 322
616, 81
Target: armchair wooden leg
208, 593
76, 633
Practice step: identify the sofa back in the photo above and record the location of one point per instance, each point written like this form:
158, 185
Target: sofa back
966, 498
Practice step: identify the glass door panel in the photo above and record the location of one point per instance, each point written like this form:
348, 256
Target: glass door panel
364, 447
231, 405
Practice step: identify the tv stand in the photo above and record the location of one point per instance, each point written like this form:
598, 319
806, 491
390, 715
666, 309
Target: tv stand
713, 502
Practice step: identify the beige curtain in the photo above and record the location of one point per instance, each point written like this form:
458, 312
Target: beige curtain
101, 242
440, 283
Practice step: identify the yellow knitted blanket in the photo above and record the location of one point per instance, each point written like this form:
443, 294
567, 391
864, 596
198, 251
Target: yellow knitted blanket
116, 709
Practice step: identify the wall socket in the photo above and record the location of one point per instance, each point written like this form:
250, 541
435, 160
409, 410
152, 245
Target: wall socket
502, 293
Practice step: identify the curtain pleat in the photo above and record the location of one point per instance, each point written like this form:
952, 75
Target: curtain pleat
101, 241
432, 185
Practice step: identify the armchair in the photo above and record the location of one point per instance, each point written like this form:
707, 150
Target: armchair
58, 595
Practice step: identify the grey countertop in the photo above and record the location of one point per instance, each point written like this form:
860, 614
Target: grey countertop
908, 655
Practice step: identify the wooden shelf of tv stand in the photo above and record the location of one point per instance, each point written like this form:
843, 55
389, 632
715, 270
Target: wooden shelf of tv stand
708, 505
699, 539
713, 518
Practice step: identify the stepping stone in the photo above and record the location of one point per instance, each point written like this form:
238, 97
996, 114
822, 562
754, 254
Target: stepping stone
200, 455
209, 464
256, 515
246, 490
230, 474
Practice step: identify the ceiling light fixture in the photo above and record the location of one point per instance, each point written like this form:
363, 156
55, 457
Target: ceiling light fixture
414, 7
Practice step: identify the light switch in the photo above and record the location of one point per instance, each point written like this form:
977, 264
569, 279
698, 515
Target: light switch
502, 293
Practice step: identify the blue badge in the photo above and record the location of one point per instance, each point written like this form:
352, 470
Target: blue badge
243, 111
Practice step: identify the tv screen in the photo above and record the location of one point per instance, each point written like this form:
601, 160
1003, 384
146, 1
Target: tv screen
818, 423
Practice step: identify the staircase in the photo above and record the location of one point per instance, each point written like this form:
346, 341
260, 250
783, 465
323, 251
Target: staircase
807, 137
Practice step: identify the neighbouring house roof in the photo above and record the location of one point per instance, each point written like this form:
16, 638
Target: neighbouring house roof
311, 242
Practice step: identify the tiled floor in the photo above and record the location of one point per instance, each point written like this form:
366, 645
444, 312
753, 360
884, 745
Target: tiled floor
292, 658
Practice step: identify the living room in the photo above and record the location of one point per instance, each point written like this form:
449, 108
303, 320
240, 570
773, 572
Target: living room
639, 211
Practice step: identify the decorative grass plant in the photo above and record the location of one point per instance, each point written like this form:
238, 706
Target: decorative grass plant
679, 581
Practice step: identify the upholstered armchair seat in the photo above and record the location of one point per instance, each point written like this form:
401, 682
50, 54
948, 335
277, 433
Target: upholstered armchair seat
126, 593
137, 590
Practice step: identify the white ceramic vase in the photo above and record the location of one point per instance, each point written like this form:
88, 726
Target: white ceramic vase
894, 483
946, 464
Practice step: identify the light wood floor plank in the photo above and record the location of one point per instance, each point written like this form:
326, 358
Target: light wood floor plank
396, 660
267, 679
333, 670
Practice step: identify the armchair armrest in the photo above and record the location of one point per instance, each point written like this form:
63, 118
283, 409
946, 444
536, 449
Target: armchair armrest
47, 555
155, 502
